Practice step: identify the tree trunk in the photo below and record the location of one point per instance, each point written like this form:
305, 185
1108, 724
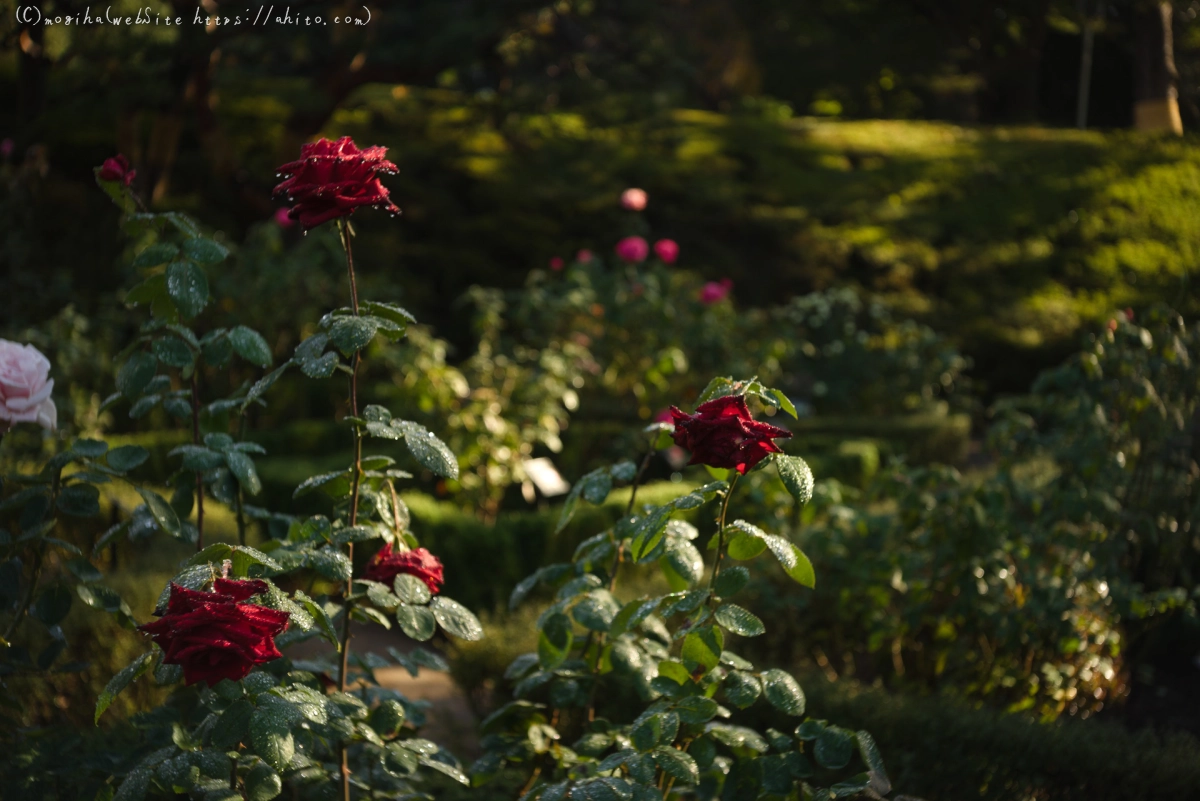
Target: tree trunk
1156, 97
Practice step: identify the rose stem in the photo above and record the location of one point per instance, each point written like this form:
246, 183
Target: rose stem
241, 517
721, 532
199, 477
344, 228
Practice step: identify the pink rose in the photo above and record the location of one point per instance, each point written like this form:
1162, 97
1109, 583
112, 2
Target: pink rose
715, 291
667, 250
557, 263
633, 199
6, 148
25, 387
283, 219
583, 256
633, 248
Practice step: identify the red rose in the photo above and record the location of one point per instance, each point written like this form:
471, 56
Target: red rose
332, 179
723, 434
117, 169
215, 635
387, 564
667, 250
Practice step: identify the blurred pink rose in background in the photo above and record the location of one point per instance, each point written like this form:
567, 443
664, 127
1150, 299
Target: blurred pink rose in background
664, 417
283, 220
633, 199
715, 291
633, 248
583, 256
6, 148
556, 263
667, 250
25, 387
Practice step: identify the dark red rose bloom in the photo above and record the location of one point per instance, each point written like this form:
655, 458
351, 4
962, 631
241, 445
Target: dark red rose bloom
216, 635
387, 564
723, 434
332, 179
117, 169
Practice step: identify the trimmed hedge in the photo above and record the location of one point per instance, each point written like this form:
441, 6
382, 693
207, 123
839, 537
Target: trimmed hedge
943, 750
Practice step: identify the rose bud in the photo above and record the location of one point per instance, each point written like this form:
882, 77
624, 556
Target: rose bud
25, 387
723, 434
633, 199
217, 635
667, 250
117, 169
387, 564
632, 249
333, 179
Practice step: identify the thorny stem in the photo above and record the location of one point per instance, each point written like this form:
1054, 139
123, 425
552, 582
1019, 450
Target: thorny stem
721, 532
241, 498
344, 229
199, 478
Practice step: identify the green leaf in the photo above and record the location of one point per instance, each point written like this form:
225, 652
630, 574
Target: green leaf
802, 572
188, 287
739, 621
784, 402
555, 640
796, 476
156, 254
352, 333
456, 619
677, 764
649, 532
742, 688
319, 615
696, 709
243, 557
596, 610
878, 778
84, 570
783, 692
388, 311
198, 458
265, 383
744, 547
127, 457
731, 581
703, 647
151, 291
262, 783
53, 604
271, 736
136, 373
162, 512
79, 500
205, 251
242, 467
232, 726
122, 680
173, 352
329, 563
833, 748
427, 449
90, 448
417, 622
251, 346
411, 590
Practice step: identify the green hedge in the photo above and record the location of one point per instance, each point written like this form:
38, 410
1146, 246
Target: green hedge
942, 750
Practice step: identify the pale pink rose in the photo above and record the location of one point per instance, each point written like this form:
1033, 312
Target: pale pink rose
556, 263
283, 220
25, 387
633, 248
715, 291
667, 250
633, 199
584, 256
